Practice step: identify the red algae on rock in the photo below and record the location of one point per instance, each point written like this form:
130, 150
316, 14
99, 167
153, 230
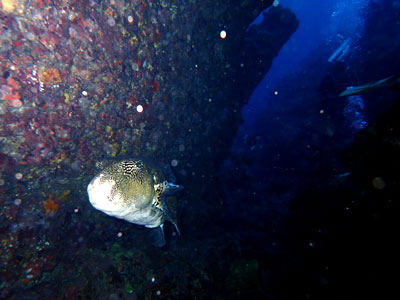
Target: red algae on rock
50, 206
15, 103
10, 93
12, 83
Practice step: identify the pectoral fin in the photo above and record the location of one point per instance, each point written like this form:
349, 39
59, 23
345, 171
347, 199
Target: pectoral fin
171, 189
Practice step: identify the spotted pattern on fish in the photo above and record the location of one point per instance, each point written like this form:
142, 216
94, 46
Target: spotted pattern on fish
159, 189
133, 169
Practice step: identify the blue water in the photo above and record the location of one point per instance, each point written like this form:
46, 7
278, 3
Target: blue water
295, 126
335, 22
303, 175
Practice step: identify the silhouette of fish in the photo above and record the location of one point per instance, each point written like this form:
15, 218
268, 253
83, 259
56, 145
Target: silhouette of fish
391, 82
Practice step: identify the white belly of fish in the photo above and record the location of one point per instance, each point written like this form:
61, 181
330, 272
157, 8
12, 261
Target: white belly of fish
103, 197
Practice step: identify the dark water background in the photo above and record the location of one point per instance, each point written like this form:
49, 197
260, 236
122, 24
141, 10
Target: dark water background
290, 165
291, 114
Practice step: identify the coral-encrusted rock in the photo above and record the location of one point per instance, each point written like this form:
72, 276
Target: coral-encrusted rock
85, 80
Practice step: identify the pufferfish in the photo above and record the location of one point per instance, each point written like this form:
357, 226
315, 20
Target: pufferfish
137, 191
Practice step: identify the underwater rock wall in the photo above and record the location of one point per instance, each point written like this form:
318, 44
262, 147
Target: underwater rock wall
82, 81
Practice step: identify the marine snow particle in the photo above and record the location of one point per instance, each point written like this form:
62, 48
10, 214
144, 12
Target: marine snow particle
174, 162
276, 93
130, 19
378, 183
222, 34
158, 293
139, 108
18, 176
181, 147
321, 111
2, 181
76, 210
153, 279
17, 202
119, 234
85, 93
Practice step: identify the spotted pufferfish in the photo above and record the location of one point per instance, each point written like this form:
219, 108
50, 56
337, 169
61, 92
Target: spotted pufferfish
137, 191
